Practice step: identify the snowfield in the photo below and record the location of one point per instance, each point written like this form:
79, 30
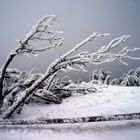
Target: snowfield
108, 100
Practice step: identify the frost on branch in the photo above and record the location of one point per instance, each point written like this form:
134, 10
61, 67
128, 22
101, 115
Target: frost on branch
103, 55
39, 32
67, 62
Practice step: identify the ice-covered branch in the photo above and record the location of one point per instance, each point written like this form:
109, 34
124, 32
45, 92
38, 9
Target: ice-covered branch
79, 61
40, 31
114, 43
88, 39
76, 62
63, 58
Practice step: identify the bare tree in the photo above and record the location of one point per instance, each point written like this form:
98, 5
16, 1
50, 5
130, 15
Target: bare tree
76, 62
39, 32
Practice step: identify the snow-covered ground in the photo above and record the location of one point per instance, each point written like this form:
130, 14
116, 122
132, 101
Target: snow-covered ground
110, 100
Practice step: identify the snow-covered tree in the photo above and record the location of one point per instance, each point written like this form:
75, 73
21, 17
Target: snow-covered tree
72, 61
137, 72
39, 32
117, 81
132, 78
101, 76
94, 75
60, 83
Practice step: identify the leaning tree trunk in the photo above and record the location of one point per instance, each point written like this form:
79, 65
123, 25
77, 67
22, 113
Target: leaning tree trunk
3, 71
25, 94
41, 27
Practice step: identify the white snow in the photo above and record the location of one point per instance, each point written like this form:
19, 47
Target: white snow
110, 100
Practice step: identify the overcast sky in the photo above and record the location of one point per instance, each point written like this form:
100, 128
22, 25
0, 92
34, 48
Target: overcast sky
77, 19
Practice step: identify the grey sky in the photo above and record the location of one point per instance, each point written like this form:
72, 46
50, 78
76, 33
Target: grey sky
77, 19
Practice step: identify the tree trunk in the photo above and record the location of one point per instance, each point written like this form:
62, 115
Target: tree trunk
117, 117
3, 71
48, 99
29, 91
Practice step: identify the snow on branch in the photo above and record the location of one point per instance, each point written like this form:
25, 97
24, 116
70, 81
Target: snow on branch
56, 65
75, 62
103, 55
88, 39
78, 62
41, 32
114, 43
